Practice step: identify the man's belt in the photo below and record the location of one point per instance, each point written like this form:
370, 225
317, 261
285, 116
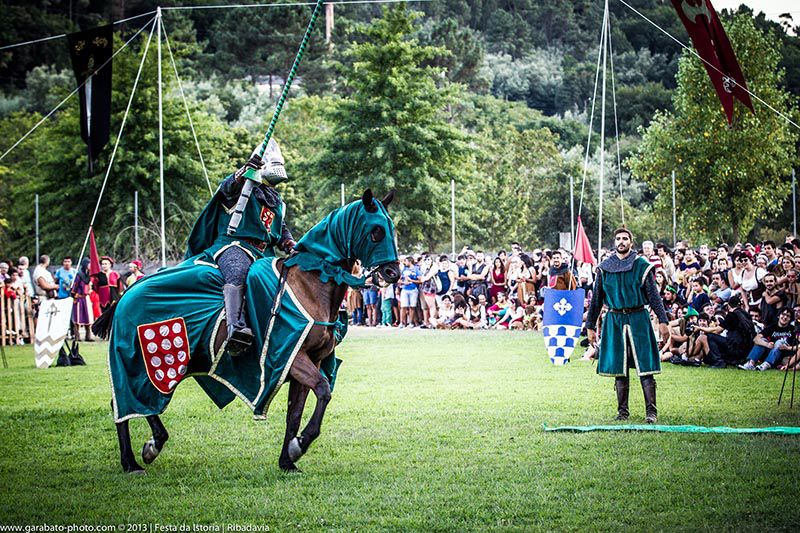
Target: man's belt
626, 310
260, 245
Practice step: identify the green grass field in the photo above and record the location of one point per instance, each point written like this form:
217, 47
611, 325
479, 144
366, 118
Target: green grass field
434, 431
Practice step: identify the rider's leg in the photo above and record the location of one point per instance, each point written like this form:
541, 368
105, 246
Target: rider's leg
233, 265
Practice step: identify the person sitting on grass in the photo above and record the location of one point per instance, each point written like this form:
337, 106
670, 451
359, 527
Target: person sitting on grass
512, 318
530, 318
498, 310
774, 342
444, 318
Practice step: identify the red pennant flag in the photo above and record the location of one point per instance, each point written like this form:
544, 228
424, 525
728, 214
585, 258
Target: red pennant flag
94, 259
712, 44
583, 250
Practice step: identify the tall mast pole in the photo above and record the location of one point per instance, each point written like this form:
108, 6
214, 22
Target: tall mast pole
606, 25
674, 215
453, 216
161, 141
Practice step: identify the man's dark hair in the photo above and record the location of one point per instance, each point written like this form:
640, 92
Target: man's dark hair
735, 302
723, 276
443, 258
723, 245
623, 230
66, 257
462, 256
769, 243
479, 252
515, 243
796, 243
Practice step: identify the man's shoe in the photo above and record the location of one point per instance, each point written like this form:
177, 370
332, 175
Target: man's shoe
764, 366
748, 366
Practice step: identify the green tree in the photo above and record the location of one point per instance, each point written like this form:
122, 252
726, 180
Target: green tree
726, 176
393, 132
52, 163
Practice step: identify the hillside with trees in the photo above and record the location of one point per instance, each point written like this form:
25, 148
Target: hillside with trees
493, 94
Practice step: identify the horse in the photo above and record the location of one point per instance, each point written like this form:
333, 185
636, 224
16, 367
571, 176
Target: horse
171, 325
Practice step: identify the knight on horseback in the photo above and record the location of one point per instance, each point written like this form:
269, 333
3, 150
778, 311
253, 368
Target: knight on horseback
262, 228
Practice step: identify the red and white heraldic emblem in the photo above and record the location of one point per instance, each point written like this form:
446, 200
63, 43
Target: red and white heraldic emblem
165, 348
267, 217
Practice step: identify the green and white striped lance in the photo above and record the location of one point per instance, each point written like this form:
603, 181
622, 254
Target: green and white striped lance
251, 175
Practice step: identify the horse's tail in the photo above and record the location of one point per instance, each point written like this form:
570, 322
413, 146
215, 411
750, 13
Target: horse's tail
102, 326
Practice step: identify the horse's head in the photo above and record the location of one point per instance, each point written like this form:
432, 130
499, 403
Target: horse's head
379, 252
360, 230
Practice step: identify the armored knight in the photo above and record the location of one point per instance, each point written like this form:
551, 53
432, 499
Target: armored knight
261, 229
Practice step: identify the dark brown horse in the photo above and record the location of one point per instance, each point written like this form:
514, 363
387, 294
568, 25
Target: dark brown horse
322, 301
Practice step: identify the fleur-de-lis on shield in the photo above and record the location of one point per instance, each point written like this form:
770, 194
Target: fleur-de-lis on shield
562, 307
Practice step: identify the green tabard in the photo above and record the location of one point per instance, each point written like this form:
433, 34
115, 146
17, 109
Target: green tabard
625, 290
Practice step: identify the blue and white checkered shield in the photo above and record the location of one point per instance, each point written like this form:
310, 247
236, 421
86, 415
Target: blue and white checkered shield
563, 319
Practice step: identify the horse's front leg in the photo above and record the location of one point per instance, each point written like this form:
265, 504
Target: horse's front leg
154, 446
127, 459
307, 373
294, 411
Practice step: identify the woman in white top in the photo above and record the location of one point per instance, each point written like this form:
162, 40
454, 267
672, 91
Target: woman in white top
735, 274
751, 281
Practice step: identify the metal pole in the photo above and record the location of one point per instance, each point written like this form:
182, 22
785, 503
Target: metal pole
794, 205
161, 142
136, 224
453, 216
342, 194
674, 217
572, 210
36, 204
602, 131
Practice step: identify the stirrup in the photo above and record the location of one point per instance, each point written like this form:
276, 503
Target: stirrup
239, 341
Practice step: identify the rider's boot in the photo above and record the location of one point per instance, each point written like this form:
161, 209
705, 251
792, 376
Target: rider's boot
240, 337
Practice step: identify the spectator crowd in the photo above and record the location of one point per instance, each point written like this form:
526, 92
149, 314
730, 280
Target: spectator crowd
24, 291
728, 305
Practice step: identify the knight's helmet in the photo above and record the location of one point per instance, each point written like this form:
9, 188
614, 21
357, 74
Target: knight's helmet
272, 170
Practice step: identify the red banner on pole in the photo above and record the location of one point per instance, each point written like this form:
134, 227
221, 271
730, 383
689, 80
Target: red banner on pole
712, 44
583, 250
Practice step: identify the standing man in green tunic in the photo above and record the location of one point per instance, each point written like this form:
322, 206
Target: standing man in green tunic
625, 284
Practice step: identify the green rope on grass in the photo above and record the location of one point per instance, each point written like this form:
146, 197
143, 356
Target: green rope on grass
775, 430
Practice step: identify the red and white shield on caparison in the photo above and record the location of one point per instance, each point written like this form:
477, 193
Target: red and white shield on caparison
165, 348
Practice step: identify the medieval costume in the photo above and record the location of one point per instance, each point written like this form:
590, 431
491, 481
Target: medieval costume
82, 314
107, 284
134, 273
262, 227
561, 278
626, 285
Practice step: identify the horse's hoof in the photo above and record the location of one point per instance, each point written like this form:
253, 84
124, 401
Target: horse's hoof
291, 468
294, 449
134, 469
150, 451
